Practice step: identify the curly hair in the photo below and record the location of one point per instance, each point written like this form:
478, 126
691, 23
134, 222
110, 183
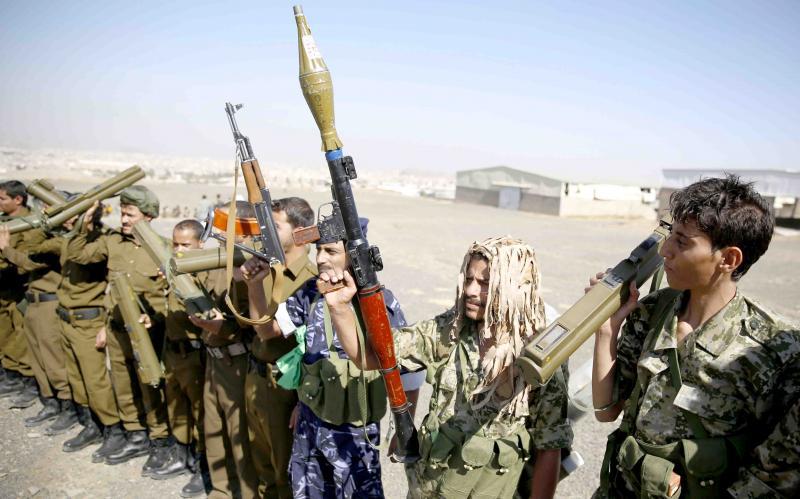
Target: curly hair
730, 212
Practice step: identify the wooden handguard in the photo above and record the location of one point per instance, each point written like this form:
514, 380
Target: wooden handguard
253, 180
243, 226
379, 335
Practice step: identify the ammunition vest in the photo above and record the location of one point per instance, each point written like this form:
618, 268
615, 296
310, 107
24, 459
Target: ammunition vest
337, 391
707, 465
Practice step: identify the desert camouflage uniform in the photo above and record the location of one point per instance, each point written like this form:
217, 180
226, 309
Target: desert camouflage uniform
740, 375
468, 452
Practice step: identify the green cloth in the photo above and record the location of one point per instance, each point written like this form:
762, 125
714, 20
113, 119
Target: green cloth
142, 198
289, 363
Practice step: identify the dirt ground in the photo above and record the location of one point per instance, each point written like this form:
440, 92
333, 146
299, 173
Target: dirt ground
422, 242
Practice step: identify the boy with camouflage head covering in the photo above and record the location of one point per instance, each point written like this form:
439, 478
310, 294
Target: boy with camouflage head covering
484, 421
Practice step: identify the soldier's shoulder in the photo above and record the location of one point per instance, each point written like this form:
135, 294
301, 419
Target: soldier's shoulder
771, 330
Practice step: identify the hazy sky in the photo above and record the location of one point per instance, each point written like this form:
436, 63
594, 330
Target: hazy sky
579, 91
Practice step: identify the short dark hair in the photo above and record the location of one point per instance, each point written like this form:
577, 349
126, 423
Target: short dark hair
15, 188
297, 211
730, 212
192, 225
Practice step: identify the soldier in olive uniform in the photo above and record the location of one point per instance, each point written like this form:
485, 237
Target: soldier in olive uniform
16, 363
269, 407
230, 461
41, 325
184, 363
81, 313
709, 381
484, 420
137, 402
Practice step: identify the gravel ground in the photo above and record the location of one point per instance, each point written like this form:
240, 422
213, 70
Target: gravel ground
422, 242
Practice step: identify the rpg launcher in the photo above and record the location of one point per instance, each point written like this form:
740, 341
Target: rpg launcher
148, 367
194, 299
46, 192
191, 262
542, 356
317, 87
262, 227
56, 214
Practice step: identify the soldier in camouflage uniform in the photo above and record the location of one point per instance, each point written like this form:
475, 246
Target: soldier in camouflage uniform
709, 381
484, 421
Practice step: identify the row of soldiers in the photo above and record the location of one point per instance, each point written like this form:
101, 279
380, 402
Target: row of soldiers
277, 394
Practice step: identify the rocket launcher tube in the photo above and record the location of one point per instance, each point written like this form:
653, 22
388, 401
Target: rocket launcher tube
56, 215
548, 350
200, 260
365, 260
183, 285
46, 192
148, 367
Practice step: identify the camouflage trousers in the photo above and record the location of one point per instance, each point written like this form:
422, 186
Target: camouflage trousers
334, 461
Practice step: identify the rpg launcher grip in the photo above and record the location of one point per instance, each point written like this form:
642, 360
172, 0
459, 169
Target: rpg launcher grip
317, 87
548, 350
148, 367
57, 214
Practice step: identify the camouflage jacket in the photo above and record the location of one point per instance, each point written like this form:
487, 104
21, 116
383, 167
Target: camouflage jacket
740, 374
427, 344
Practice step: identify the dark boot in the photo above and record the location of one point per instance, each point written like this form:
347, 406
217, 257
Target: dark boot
160, 449
136, 444
91, 433
11, 385
177, 464
50, 410
27, 395
67, 419
200, 483
113, 441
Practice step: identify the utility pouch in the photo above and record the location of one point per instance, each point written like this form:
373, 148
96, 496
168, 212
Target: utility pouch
310, 390
334, 384
477, 451
656, 474
441, 447
707, 462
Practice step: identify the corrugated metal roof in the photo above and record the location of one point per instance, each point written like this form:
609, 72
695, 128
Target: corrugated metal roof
772, 183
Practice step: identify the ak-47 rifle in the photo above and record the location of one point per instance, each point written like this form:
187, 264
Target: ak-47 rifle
262, 227
548, 350
365, 260
194, 299
56, 214
148, 366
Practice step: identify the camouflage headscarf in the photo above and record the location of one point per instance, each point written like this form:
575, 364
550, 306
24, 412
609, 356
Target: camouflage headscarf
142, 198
514, 315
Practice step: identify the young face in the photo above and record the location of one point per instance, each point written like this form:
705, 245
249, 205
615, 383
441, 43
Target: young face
9, 205
476, 288
690, 260
331, 257
185, 240
131, 214
284, 228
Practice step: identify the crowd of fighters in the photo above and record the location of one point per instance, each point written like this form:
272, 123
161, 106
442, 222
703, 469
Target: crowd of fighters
708, 381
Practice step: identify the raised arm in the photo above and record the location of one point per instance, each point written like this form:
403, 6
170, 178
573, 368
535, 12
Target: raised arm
344, 320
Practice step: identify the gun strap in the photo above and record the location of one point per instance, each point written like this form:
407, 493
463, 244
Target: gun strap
276, 270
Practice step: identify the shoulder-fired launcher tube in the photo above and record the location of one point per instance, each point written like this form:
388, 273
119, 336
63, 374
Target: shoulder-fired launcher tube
206, 259
46, 192
148, 367
193, 298
56, 215
548, 350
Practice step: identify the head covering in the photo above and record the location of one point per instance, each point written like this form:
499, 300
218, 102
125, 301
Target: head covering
142, 198
514, 315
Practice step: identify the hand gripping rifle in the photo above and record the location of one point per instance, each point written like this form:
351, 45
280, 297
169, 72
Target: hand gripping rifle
365, 260
542, 356
56, 214
194, 299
